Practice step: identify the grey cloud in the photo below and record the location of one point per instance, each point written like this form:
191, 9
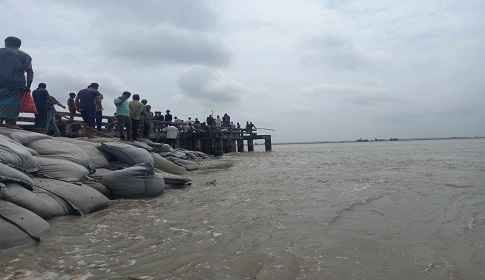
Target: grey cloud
211, 85
164, 45
334, 52
194, 15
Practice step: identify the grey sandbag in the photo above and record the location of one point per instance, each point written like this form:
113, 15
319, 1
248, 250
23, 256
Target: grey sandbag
167, 166
174, 181
102, 188
165, 149
56, 149
135, 182
9, 174
19, 226
60, 169
187, 164
96, 157
81, 198
14, 153
38, 201
190, 155
127, 153
22, 136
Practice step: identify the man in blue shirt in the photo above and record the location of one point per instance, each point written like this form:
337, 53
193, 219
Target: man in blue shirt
86, 101
123, 116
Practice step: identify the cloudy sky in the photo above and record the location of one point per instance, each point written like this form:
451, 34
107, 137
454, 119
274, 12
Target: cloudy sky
313, 70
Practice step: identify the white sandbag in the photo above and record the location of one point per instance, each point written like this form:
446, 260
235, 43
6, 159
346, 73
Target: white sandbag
60, 169
174, 181
127, 153
19, 226
81, 198
42, 203
166, 165
22, 136
166, 149
9, 174
96, 157
13, 153
187, 164
52, 148
190, 155
135, 182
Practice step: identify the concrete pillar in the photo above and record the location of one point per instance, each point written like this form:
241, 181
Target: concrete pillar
197, 146
267, 143
218, 147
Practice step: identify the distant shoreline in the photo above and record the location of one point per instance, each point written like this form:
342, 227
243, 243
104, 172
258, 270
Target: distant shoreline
380, 140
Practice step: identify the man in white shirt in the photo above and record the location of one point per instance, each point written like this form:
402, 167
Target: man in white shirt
172, 133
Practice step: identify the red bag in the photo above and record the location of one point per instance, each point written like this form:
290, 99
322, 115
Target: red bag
27, 104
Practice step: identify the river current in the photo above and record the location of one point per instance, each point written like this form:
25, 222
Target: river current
375, 210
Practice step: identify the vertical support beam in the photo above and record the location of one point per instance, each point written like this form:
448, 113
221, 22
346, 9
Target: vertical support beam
240, 145
196, 144
267, 143
177, 143
250, 145
232, 145
218, 147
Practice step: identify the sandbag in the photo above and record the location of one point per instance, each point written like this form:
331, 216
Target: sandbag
190, 155
165, 149
135, 182
187, 164
166, 165
51, 148
127, 153
102, 188
14, 153
19, 226
174, 181
61, 169
96, 157
9, 174
83, 199
22, 136
38, 201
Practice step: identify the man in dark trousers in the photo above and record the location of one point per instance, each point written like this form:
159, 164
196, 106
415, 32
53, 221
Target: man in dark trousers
41, 97
86, 101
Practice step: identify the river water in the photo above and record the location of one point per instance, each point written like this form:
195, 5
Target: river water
376, 210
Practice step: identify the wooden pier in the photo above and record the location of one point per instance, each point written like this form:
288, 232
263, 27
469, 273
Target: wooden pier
218, 141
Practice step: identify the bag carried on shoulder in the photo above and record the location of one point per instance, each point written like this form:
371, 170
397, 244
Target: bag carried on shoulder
27, 104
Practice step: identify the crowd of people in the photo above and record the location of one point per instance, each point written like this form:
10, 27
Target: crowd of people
16, 76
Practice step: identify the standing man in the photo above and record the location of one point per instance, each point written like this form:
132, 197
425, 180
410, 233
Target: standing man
42, 99
123, 116
136, 108
172, 133
147, 124
71, 105
168, 117
99, 113
86, 101
14, 63
51, 117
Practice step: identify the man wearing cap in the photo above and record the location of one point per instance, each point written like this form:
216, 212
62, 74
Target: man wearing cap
86, 101
14, 63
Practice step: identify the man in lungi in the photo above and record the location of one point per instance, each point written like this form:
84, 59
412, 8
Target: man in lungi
14, 63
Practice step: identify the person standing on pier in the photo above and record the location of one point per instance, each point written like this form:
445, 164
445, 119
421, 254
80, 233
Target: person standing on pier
172, 133
71, 105
168, 117
123, 116
99, 113
209, 121
14, 63
136, 108
86, 101
51, 117
147, 121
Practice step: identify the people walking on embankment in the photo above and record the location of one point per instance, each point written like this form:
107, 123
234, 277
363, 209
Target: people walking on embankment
123, 116
14, 64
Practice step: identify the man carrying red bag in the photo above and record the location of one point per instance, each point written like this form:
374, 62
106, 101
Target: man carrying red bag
14, 63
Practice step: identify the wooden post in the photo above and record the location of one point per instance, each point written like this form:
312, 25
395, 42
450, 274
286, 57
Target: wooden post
240, 145
267, 143
196, 144
218, 147
250, 145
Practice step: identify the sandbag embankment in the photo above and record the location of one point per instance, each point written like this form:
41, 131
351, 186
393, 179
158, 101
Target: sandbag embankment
127, 153
23, 136
96, 157
9, 174
187, 164
83, 199
100, 187
135, 182
60, 169
19, 226
38, 201
51, 148
14, 153
166, 165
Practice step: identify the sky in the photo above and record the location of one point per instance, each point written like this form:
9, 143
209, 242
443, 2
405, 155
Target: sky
311, 70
